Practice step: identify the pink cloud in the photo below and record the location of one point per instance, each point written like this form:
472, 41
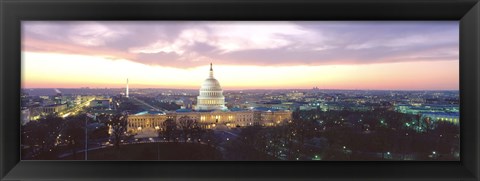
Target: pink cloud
189, 44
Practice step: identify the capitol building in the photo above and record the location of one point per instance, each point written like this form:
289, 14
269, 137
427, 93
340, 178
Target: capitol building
210, 111
211, 95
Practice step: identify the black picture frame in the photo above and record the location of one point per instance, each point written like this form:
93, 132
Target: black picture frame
12, 12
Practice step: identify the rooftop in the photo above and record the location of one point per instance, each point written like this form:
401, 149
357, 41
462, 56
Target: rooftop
150, 112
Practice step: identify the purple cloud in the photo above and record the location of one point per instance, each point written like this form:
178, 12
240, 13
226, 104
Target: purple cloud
187, 44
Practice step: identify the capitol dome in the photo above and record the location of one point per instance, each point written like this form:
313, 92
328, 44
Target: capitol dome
211, 94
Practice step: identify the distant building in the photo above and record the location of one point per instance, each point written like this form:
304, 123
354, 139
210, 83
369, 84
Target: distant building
51, 109
453, 118
295, 95
434, 112
279, 106
25, 116
100, 103
431, 108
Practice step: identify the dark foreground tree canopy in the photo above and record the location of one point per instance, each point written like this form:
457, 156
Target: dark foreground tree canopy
155, 151
311, 135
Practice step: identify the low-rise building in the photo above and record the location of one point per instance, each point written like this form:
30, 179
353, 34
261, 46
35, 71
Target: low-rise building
101, 103
453, 118
51, 109
207, 119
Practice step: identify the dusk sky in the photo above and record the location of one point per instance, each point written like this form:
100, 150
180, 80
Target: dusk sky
408, 55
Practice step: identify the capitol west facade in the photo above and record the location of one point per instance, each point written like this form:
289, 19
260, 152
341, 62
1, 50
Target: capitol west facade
210, 112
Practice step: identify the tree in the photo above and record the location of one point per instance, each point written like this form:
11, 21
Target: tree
303, 130
197, 132
101, 132
250, 134
210, 138
118, 124
74, 135
34, 136
187, 125
42, 133
383, 140
426, 123
447, 135
169, 129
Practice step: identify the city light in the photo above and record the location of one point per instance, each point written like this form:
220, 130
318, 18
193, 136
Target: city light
291, 90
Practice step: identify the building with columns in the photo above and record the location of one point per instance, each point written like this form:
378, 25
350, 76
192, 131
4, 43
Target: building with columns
210, 112
210, 95
209, 120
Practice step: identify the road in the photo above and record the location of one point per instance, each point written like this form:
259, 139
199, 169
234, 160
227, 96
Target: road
76, 109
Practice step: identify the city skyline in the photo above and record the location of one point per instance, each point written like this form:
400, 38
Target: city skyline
282, 55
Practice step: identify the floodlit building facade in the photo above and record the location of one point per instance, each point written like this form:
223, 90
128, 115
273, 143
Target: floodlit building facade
149, 121
210, 112
210, 95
